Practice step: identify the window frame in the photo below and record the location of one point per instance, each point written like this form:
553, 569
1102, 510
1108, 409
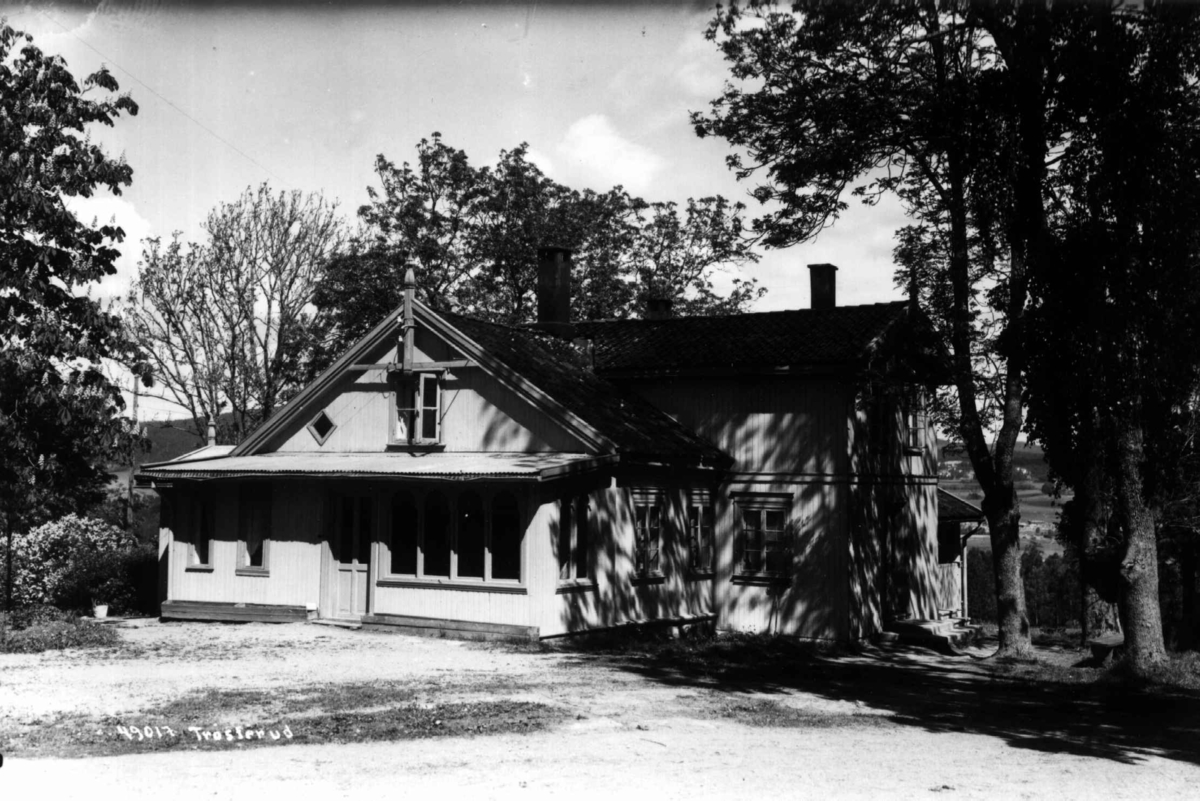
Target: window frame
312, 427
262, 497
698, 503
762, 504
202, 520
578, 550
653, 502
415, 382
916, 421
489, 582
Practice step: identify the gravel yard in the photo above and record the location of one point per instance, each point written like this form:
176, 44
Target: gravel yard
343, 713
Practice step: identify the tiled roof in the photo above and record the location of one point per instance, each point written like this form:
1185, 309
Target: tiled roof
425, 465
634, 425
799, 338
953, 509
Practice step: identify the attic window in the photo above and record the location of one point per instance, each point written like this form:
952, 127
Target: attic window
321, 427
416, 415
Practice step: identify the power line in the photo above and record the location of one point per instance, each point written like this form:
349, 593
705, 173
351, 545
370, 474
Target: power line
151, 90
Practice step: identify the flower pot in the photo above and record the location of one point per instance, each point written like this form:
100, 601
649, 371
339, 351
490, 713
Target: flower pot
100, 610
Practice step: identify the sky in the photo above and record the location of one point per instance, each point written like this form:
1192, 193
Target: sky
305, 96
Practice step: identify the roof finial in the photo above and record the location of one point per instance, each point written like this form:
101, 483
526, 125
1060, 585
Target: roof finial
410, 286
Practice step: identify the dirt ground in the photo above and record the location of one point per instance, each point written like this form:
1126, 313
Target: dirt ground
876, 724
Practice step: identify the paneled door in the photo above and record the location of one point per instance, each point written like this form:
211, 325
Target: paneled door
355, 525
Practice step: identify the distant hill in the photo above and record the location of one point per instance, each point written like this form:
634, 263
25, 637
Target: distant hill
1029, 457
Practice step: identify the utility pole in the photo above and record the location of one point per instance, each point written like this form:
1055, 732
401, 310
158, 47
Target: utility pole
134, 443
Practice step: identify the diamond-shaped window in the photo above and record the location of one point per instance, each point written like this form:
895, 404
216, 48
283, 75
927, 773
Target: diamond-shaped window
321, 427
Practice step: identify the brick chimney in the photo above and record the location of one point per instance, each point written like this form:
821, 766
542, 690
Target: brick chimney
659, 308
554, 291
823, 278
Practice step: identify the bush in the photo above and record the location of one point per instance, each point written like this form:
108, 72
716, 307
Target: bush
75, 562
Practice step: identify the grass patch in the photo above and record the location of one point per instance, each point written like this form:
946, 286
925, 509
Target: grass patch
771, 714
314, 715
1179, 672
42, 628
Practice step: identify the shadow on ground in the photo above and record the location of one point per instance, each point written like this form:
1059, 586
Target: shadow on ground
1056, 710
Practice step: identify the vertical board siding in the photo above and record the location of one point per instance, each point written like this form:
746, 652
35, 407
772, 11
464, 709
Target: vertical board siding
619, 596
812, 601
293, 555
767, 424
478, 412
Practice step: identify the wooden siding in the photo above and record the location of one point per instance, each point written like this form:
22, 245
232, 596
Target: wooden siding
811, 601
508, 603
767, 424
616, 595
478, 412
293, 557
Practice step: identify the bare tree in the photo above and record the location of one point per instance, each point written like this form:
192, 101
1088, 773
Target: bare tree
225, 320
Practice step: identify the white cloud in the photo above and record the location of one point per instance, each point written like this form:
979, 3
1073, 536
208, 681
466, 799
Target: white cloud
111, 209
604, 158
699, 69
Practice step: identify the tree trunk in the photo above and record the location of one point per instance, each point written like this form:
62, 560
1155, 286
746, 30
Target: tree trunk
8, 558
1139, 563
1004, 521
1097, 580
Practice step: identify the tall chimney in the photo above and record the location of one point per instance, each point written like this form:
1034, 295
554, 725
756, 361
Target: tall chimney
212, 432
824, 285
554, 290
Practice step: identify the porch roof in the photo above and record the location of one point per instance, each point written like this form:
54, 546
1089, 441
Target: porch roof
433, 466
953, 509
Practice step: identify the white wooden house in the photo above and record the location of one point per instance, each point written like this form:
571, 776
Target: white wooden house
455, 476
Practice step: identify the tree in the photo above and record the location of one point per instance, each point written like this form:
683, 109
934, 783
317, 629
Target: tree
473, 235
1126, 200
225, 321
943, 105
58, 412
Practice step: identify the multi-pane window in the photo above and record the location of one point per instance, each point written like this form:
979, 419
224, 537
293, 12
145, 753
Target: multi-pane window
455, 537
647, 537
203, 512
470, 536
700, 537
915, 420
416, 410
506, 537
764, 541
405, 531
574, 556
254, 528
437, 535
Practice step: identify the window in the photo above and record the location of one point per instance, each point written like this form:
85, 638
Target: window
321, 427
470, 536
437, 535
254, 529
465, 537
764, 541
647, 536
574, 549
915, 420
416, 417
203, 512
506, 537
700, 535
405, 528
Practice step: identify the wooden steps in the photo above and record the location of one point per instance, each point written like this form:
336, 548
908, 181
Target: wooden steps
233, 612
449, 629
